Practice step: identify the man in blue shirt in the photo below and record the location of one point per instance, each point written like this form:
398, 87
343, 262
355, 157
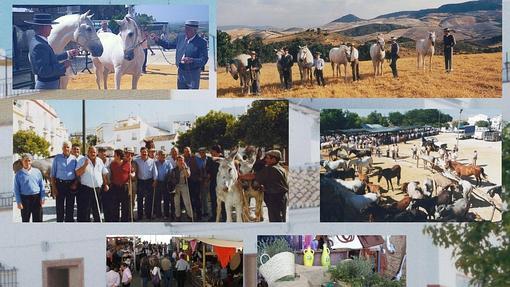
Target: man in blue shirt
147, 174
190, 55
29, 190
63, 183
164, 167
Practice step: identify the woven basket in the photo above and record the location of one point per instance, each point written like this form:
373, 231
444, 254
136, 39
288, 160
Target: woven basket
277, 267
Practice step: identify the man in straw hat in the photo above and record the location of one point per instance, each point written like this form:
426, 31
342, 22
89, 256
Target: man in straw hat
318, 64
449, 43
43, 60
394, 55
190, 55
29, 190
273, 177
254, 67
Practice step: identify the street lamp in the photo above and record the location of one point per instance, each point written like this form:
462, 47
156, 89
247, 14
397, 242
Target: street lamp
458, 128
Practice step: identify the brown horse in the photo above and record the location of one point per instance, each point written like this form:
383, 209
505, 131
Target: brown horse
467, 170
389, 174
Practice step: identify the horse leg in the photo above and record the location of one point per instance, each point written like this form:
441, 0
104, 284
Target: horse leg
381, 68
105, 78
430, 63
218, 209
99, 76
228, 210
375, 68
118, 76
134, 81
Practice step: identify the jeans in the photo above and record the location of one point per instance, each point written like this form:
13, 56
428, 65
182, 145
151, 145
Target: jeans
188, 79
47, 85
166, 279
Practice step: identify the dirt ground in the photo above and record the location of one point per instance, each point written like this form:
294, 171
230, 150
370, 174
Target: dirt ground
466, 81
158, 77
489, 157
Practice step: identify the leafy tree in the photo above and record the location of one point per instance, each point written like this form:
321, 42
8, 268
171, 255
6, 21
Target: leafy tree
225, 48
30, 142
482, 124
213, 128
376, 118
338, 119
91, 140
396, 118
265, 124
143, 20
481, 249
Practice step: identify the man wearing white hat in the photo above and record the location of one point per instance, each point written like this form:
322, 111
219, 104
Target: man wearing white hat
43, 60
190, 55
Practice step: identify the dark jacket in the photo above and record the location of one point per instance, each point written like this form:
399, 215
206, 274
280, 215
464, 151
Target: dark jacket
44, 62
274, 179
395, 50
211, 167
196, 49
174, 176
449, 41
287, 62
254, 63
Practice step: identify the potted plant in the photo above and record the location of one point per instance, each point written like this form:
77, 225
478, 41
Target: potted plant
359, 273
275, 260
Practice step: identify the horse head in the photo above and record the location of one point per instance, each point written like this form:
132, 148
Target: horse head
85, 35
149, 144
432, 38
131, 36
227, 172
279, 54
380, 42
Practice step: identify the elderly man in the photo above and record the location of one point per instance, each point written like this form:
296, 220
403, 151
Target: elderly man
449, 42
29, 190
164, 167
190, 55
193, 182
147, 175
104, 27
179, 177
93, 178
273, 177
117, 198
63, 183
43, 60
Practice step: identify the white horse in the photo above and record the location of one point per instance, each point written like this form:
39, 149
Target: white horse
237, 68
279, 54
339, 56
123, 54
377, 54
229, 189
425, 47
360, 163
77, 28
305, 63
334, 165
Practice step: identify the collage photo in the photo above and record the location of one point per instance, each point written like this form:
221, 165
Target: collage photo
258, 143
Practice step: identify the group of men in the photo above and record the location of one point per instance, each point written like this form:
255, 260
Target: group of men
99, 184
191, 53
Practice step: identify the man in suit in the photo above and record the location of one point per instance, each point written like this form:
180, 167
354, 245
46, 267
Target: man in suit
45, 63
449, 42
190, 55
394, 55
286, 62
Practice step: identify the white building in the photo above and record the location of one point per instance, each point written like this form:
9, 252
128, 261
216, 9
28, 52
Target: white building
132, 132
40, 117
480, 117
497, 122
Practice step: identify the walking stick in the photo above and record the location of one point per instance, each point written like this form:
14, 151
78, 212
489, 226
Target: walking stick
95, 196
153, 196
130, 193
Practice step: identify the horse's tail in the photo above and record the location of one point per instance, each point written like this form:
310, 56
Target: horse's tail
483, 173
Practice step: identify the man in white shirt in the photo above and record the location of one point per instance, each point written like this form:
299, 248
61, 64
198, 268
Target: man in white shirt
93, 179
126, 275
318, 64
182, 266
104, 27
112, 278
354, 59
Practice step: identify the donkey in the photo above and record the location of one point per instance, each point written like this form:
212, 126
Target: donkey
228, 189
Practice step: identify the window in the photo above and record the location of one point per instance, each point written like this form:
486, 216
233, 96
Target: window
133, 136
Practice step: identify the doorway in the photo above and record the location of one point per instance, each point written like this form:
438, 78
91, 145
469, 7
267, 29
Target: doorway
63, 273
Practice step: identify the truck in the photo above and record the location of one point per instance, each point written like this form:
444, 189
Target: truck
466, 132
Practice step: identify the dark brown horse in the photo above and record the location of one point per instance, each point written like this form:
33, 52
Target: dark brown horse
389, 174
467, 170
360, 153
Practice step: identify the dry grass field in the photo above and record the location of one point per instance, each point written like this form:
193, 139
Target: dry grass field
158, 77
474, 76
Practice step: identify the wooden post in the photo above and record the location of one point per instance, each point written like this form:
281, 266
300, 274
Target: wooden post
203, 266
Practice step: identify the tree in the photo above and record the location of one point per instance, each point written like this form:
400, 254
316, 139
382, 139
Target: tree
265, 124
481, 249
338, 119
376, 118
91, 140
395, 118
30, 142
482, 124
211, 129
225, 48
143, 20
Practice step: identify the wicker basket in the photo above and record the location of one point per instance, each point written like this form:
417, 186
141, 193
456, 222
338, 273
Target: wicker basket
277, 267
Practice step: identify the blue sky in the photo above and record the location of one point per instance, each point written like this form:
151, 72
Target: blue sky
309, 13
100, 111
175, 13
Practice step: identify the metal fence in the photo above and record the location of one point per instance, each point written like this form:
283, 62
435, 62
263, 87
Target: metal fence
8, 276
6, 200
